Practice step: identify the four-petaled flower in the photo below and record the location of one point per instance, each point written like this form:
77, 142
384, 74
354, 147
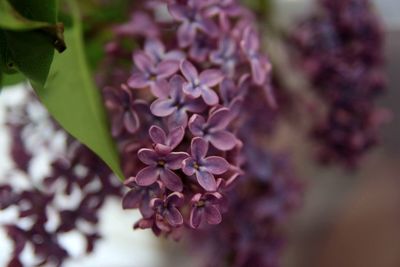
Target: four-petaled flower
200, 85
213, 130
168, 208
152, 74
191, 19
123, 109
160, 165
204, 167
205, 207
177, 105
164, 143
140, 196
260, 66
155, 49
225, 56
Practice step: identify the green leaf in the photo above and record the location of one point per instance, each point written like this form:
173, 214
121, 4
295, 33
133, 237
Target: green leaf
12, 20
74, 101
29, 32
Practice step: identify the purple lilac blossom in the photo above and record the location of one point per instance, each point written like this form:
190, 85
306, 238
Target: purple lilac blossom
340, 49
193, 106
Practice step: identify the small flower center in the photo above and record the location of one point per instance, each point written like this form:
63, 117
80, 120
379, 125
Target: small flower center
196, 166
153, 77
161, 163
200, 204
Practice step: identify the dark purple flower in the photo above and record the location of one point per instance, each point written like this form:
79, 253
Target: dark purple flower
168, 208
213, 130
191, 19
160, 165
200, 85
156, 50
151, 74
123, 110
140, 196
164, 143
205, 207
260, 66
204, 167
177, 104
201, 48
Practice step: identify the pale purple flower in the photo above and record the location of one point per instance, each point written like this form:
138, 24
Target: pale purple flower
177, 104
164, 143
200, 85
156, 50
140, 196
204, 167
192, 20
123, 110
225, 56
214, 129
205, 207
140, 24
161, 166
168, 208
260, 66
153, 75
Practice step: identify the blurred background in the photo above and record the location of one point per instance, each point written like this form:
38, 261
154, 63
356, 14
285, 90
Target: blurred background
348, 218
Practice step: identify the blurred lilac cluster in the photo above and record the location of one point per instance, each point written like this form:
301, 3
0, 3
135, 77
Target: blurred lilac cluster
251, 233
341, 50
66, 199
175, 116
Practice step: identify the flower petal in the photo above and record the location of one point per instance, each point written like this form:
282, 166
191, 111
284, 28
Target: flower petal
176, 85
175, 137
196, 125
163, 107
199, 148
189, 71
195, 105
167, 68
215, 165
174, 160
138, 81
157, 135
178, 12
147, 176
186, 34
145, 208
178, 119
259, 73
132, 199
212, 214
131, 121
211, 77
209, 96
175, 199
188, 166
195, 217
173, 216
160, 88
223, 140
148, 156
171, 181
206, 180
143, 62
155, 49
219, 119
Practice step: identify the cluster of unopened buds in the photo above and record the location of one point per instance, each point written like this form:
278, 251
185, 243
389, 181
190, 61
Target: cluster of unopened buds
176, 115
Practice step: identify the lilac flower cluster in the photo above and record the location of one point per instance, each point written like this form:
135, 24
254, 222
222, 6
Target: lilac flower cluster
175, 117
67, 199
251, 233
341, 50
